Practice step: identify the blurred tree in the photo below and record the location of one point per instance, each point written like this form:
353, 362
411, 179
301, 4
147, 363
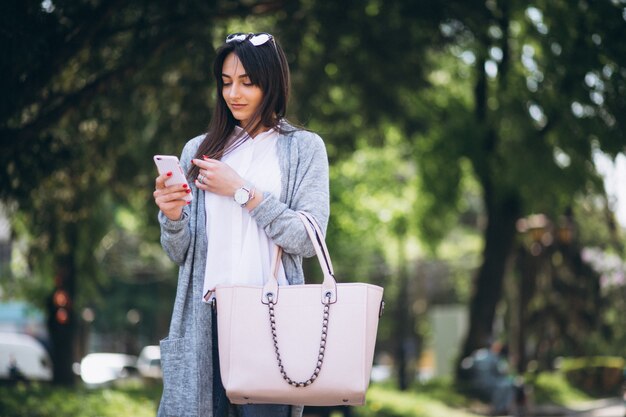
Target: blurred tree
568, 288
371, 234
354, 60
559, 294
90, 90
540, 110
525, 94
521, 94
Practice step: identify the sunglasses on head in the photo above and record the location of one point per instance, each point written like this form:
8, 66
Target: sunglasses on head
255, 39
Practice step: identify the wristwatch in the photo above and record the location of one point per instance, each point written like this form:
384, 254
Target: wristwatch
243, 195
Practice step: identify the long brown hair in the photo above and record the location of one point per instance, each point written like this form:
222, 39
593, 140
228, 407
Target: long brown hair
267, 67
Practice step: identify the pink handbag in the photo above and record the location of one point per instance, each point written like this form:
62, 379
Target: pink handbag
309, 344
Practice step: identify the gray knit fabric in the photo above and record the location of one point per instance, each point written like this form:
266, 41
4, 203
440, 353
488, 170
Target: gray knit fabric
186, 353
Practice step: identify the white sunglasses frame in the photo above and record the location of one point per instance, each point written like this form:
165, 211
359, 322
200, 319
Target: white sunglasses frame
255, 39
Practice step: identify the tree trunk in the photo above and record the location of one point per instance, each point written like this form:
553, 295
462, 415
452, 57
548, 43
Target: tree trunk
528, 267
62, 322
402, 321
499, 239
502, 203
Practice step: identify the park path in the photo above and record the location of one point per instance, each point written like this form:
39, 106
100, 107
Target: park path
608, 407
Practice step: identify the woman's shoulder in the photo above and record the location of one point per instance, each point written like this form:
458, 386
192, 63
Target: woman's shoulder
191, 147
194, 143
303, 138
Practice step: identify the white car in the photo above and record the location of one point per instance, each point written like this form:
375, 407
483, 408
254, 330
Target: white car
26, 355
149, 362
102, 369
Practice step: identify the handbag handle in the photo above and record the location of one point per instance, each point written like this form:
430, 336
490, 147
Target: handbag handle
329, 296
329, 286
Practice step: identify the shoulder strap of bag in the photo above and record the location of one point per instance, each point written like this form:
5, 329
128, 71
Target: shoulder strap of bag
329, 286
319, 242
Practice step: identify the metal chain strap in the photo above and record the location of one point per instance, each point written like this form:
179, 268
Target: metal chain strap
320, 355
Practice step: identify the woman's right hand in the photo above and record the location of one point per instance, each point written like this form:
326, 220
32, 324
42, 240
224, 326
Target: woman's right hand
170, 199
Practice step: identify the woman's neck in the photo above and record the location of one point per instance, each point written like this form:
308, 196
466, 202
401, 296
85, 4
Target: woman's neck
255, 129
257, 132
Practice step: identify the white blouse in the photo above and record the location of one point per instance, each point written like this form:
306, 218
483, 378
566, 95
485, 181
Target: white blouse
239, 251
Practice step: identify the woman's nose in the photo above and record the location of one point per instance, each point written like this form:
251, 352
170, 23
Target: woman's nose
233, 91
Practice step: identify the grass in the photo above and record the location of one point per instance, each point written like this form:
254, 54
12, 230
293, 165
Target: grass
137, 401
434, 398
440, 397
37, 400
437, 397
553, 388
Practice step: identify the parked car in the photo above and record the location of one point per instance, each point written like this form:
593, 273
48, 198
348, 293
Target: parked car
22, 357
103, 369
149, 362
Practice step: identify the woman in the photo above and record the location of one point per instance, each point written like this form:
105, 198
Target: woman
250, 174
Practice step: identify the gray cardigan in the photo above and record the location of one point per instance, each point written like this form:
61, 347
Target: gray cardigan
186, 356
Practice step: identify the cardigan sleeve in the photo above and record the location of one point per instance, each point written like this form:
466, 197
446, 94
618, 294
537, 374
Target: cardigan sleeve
176, 234
310, 193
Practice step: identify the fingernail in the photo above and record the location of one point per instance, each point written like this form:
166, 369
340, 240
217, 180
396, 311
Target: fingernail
205, 157
184, 185
169, 174
188, 202
188, 191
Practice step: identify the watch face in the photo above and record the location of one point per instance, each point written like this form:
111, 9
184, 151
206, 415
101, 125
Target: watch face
242, 196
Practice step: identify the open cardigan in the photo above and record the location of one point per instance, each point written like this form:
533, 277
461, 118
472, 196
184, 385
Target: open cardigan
186, 356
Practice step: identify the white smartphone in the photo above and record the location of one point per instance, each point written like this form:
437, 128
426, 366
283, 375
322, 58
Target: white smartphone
170, 163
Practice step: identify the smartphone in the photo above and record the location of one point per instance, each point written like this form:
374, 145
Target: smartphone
170, 163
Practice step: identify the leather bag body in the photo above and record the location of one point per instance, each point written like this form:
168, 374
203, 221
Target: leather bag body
308, 361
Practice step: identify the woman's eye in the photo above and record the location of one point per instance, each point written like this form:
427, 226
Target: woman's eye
248, 84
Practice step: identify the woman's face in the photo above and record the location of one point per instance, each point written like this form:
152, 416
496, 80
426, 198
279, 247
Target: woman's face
242, 97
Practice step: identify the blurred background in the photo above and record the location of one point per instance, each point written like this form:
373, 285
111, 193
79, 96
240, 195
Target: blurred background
478, 173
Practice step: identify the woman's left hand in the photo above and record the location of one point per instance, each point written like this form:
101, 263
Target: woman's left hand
217, 177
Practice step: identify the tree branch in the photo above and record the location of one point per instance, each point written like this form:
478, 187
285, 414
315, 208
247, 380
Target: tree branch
70, 45
36, 84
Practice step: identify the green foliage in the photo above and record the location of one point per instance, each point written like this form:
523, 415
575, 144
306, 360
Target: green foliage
442, 389
373, 197
460, 251
354, 61
568, 364
553, 388
386, 402
596, 225
531, 123
601, 376
435, 397
44, 401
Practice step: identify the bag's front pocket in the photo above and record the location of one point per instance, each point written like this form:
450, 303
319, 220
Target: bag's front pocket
176, 399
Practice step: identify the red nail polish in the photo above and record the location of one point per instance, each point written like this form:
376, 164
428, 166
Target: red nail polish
188, 202
205, 157
169, 174
184, 185
188, 191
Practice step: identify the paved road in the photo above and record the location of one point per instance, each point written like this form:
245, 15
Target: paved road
610, 407
615, 410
